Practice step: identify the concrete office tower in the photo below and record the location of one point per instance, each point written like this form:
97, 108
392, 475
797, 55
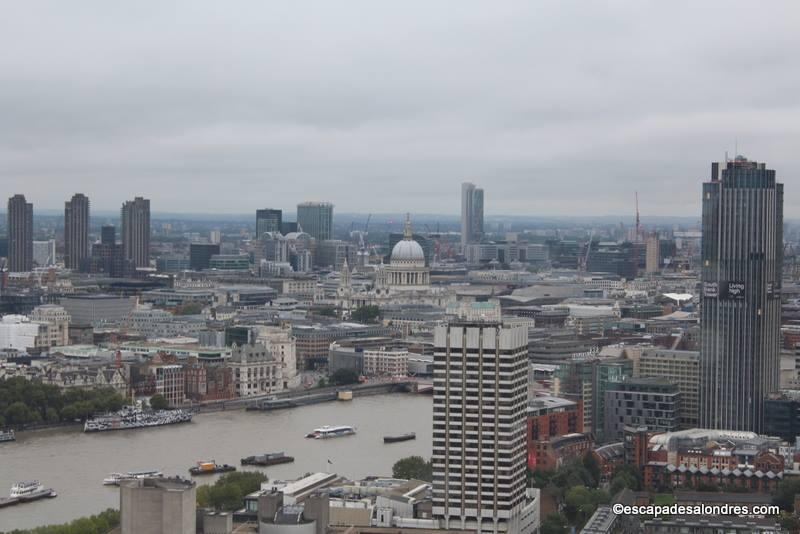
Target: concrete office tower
742, 260
316, 219
158, 506
20, 234
653, 253
479, 419
471, 213
76, 231
268, 220
136, 231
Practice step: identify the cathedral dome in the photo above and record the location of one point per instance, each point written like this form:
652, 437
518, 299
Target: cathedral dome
408, 250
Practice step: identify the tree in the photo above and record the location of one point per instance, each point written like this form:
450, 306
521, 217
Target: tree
190, 308
17, 414
158, 402
626, 476
366, 314
554, 524
327, 311
540, 478
785, 493
592, 467
581, 502
101, 523
48, 403
229, 490
344, 376
789, 522
413, 467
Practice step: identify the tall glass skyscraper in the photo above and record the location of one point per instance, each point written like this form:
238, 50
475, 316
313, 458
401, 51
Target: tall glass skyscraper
316, 219
471, 213
742, 257
268, 220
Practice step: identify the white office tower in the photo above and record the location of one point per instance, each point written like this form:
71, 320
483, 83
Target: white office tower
479, 406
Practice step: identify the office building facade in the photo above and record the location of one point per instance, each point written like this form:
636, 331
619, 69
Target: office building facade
20, 234
682, 368
76, 232
742, 257
107, 256
200, 255
268, 220
653, 252
471, 213
135, 217
651, 402
479, 423
316, 219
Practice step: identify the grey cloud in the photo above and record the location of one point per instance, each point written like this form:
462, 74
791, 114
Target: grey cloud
554, 107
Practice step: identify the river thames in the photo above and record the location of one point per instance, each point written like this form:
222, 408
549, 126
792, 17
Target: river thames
74, 463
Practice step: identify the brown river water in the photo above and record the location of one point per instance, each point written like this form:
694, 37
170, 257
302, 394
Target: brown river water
74, 463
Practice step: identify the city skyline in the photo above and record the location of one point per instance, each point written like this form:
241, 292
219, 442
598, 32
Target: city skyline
358, 109
409, 268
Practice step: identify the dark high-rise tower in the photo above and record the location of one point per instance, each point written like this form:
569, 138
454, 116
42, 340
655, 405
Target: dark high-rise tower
136, 231
76, 231
268, 220
20, 234
108, 234
742, 255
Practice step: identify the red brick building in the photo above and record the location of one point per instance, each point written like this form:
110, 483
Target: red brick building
206, 382
550, 418
729, 460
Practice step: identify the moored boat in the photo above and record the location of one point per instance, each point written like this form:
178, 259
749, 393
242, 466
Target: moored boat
7, 435
271, 458
327, 432
131, 417
209, 468
28, 491
401, 437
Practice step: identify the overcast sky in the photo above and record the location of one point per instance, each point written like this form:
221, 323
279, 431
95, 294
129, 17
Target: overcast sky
553, 107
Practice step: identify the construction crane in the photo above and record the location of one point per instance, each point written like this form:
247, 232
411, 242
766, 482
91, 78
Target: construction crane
588, 250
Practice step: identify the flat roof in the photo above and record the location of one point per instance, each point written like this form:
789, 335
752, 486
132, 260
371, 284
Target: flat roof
306, 483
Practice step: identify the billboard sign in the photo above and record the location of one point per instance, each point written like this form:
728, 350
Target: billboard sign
734, 291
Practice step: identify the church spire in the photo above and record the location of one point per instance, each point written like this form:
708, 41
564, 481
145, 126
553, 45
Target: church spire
407, 230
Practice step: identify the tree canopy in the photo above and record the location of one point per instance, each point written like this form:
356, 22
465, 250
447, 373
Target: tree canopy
101, 523
413, 467
784, 494
554, 524
228, 492
159, 402
366, 314
25, 402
